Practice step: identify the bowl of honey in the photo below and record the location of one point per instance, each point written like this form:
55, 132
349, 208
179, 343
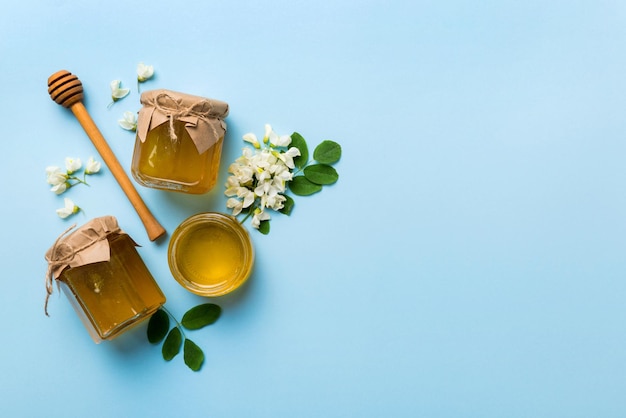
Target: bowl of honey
210, 254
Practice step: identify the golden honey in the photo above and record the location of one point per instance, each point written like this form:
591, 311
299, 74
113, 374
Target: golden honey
162, 163
110, 295
210, 254
179, 141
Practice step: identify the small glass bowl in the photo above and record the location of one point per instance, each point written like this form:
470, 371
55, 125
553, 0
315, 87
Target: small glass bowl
210, 254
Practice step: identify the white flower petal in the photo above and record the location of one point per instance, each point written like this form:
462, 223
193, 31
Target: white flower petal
235, 205
120, 93
59, 188
144, 72
92, 166
129, 121
251, 138
69, 209
73, 164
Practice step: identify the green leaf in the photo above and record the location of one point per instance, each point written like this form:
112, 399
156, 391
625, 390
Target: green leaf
287, 205
298, 141
328, 152
301, 186
158, 326
193, 355
264, 227
171, 346
201, 316
321, 174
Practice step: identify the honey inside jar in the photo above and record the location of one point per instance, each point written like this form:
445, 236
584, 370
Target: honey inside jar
176, 165
210, 254
114, 294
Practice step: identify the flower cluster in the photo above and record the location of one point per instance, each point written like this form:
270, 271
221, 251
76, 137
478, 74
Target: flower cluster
61, 180
259, 176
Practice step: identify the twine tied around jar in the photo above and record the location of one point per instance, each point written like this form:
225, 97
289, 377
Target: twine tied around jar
175, 109
203, 118
62, 253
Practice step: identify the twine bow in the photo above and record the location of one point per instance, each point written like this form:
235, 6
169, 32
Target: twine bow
174, 109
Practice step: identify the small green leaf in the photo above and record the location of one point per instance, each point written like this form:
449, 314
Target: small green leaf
298, 141
201, 316
287, 205
328, 152
171, 346
158, 326
300, 186
321, 174
264, 227
193, 355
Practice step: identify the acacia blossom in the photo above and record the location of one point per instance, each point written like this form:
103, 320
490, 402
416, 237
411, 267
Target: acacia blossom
258, 178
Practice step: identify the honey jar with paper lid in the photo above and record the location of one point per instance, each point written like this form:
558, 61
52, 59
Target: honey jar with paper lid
179, 141
100, 271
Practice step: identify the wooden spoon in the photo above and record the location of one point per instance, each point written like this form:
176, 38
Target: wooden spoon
67, 90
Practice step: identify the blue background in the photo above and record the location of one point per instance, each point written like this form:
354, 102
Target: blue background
469, 262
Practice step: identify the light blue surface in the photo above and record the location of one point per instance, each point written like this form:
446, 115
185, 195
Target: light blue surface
469, 262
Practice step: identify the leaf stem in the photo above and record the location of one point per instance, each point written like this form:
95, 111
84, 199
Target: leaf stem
301, 169
178, 325
248, 214
83, 181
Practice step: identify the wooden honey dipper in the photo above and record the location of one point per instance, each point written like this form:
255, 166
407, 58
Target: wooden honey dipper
67, 90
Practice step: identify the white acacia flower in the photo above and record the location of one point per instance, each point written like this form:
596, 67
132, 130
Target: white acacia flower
242, 174
55, 176
235, 204
247, 195
268, 131
70, 208
259, 216
288, 156
59, 188
129, 122
57, 179
272, 199
279, 141
144, 72
73, 164
117, 92
251, 138
92, 166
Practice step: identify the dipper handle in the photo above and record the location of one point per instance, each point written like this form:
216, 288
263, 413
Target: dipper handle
67, 90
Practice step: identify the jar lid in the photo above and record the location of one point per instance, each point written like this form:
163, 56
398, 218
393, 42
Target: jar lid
204, 118
86, 245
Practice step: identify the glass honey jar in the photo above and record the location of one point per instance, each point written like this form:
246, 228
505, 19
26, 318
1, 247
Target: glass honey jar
100, 271
179, 141
211, 254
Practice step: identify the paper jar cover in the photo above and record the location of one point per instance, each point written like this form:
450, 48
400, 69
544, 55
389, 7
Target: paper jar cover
203, 118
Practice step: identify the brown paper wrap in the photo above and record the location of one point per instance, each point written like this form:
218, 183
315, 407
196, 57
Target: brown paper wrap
204, 118
85, 245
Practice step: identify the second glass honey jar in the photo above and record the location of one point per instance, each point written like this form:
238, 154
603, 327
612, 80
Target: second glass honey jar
103, 276
179, 141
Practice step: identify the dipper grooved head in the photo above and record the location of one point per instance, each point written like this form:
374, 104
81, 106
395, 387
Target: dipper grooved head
65, 88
